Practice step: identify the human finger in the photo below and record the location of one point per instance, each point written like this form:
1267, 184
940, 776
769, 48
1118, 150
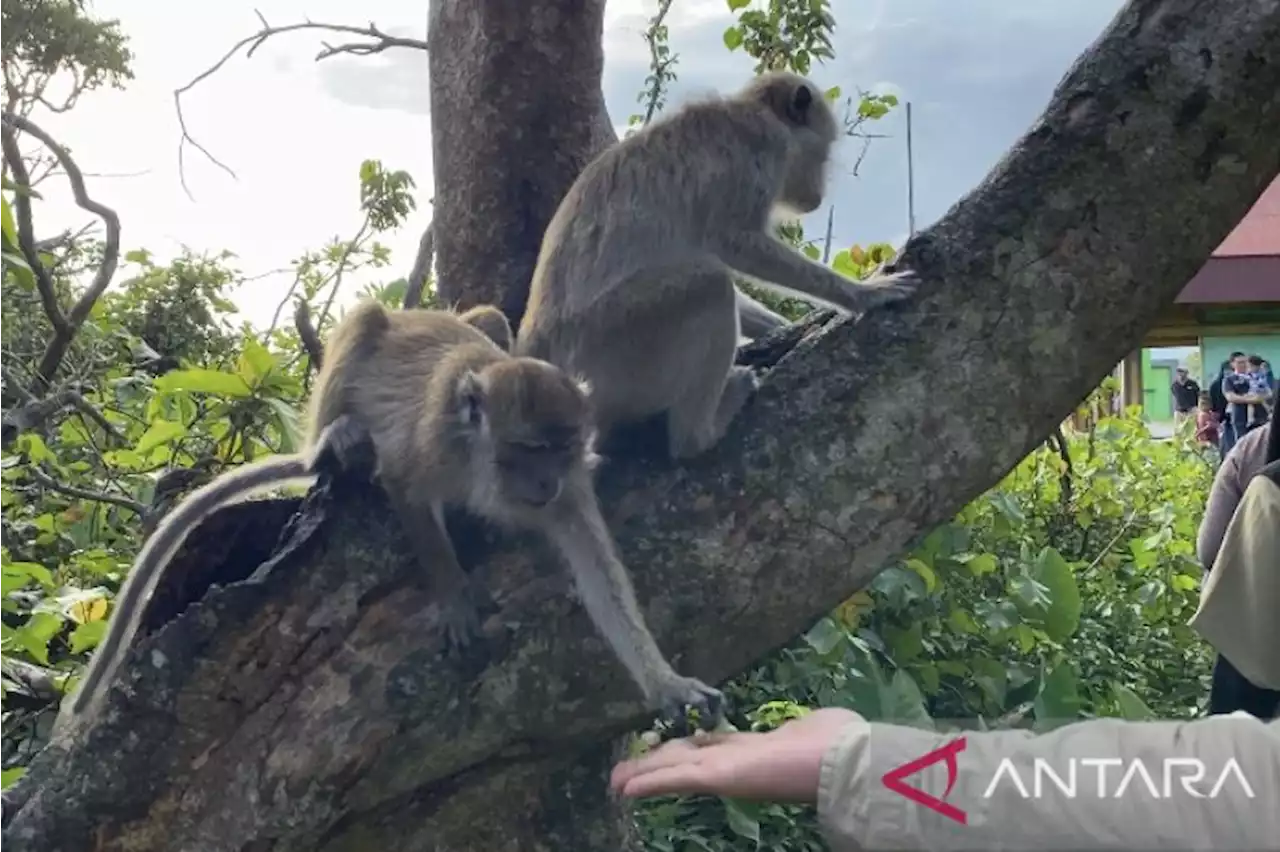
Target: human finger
668, 754
685, 778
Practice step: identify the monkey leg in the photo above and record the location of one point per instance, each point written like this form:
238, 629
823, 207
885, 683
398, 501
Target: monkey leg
712, 390
423, 523
345, 447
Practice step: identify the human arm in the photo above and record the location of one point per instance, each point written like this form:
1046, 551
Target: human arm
838, 760
1224, 496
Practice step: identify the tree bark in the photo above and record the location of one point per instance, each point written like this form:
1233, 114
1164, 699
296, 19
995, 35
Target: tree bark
307, 707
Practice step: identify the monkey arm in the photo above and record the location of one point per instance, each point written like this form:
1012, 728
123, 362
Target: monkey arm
581, 536
777, 267
755, 320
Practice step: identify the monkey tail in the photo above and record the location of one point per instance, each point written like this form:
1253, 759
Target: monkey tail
145, 575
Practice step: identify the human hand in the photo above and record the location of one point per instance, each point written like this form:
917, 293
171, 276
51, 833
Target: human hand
782, 765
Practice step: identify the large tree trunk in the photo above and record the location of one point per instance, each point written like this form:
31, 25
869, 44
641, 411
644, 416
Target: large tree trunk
308, 707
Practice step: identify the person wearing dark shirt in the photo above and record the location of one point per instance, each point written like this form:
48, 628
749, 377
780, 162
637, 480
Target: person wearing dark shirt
1186, 396
1237, 389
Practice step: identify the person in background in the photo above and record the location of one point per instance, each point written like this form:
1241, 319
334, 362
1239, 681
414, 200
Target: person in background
1186, 395
1230, 690
1237, 387
835, 759
1208, 426
1261, 388
1219, 402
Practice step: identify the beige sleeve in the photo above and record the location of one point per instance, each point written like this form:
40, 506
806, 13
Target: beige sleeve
1224, 495
857, 811
1241, 598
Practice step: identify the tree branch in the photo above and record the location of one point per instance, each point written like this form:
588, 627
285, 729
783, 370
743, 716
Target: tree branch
35, 412
310, 708
376, 42
307, 332
65, 332
26, 231
52, 484
421, 269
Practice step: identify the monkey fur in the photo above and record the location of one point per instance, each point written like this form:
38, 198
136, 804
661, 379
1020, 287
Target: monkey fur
455, 421
632, 289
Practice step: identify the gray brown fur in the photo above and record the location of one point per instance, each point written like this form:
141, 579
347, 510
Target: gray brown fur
632, 289
455, 421
509, 439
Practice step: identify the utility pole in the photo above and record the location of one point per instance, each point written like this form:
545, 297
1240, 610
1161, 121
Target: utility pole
911, 181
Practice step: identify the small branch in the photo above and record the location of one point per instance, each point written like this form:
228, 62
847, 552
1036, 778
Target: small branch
341, 268
379, 41
27, 242
34, 413
85, 494
1067, 475
655, 37
307, 331
64, 239
62, 337
421, 269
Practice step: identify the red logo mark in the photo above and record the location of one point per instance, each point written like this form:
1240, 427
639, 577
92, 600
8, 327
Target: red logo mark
893, 780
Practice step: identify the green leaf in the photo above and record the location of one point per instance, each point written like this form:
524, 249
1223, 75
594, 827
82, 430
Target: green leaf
35, 448
34, 636
203, 381
1059, 702
1131, 706
23, 571
9, 776
733, 38
741, 822
735, 5
926, 573
1063, 615
158, 433
824, 636
255, 363
7, 224
979, 564
87, 636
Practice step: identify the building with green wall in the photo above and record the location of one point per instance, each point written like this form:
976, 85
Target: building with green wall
1232, 304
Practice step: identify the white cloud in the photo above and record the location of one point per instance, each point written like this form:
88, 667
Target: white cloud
296, 131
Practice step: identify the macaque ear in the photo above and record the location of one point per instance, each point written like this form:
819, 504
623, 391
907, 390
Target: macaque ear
471, 396
584, 386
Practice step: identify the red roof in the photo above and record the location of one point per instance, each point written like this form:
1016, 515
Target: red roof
1259, 231
1246, 267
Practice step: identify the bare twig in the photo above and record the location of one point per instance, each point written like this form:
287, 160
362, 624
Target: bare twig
379, 41
307, 331
421, 268
64, 239
288, 296
66, 330
52, 484
340, 269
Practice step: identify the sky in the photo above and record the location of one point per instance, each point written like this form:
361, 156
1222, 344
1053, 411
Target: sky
978, 74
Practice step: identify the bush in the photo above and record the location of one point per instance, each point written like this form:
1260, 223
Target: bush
1063, 593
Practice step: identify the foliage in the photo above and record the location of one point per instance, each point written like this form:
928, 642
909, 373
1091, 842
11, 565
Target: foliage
43, 38
1063, 593
174, 392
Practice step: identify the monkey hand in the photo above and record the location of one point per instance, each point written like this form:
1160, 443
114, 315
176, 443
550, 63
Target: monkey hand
678, 693
460, 618
886, 288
